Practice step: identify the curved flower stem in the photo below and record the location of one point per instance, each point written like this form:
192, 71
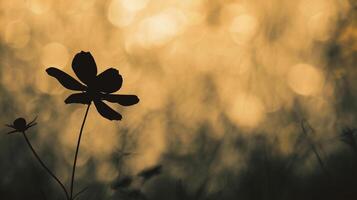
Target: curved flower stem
44, 165
77, 150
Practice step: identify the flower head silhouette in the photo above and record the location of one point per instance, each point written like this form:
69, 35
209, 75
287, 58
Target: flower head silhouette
20, 125
95, 87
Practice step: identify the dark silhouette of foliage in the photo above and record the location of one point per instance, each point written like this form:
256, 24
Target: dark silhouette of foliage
348, 137
122, 182
148, 173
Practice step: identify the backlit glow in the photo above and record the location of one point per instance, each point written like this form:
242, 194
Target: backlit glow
305, 79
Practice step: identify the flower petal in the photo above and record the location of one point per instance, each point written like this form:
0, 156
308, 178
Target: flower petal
81, 98
109, 81
29, 126
14, 131
84, 66
106, 111
122, 99
66, 80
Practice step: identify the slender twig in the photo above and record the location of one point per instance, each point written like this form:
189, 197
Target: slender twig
202, 188
313, 147
77, 150
80, 192
44, 166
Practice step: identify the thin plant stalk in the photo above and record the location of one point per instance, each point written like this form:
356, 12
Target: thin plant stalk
44, 165
80, 192
77, 151
314, 149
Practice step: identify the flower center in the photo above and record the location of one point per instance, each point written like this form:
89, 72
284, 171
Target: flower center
20, 124
93, 93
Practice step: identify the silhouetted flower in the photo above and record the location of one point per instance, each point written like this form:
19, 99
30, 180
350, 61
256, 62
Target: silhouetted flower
96, 88
20, 125
348, 137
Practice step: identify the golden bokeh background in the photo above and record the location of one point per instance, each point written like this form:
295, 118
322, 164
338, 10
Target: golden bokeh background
261, 65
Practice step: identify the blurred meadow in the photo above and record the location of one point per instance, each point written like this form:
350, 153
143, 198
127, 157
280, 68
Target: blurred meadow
239, 99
